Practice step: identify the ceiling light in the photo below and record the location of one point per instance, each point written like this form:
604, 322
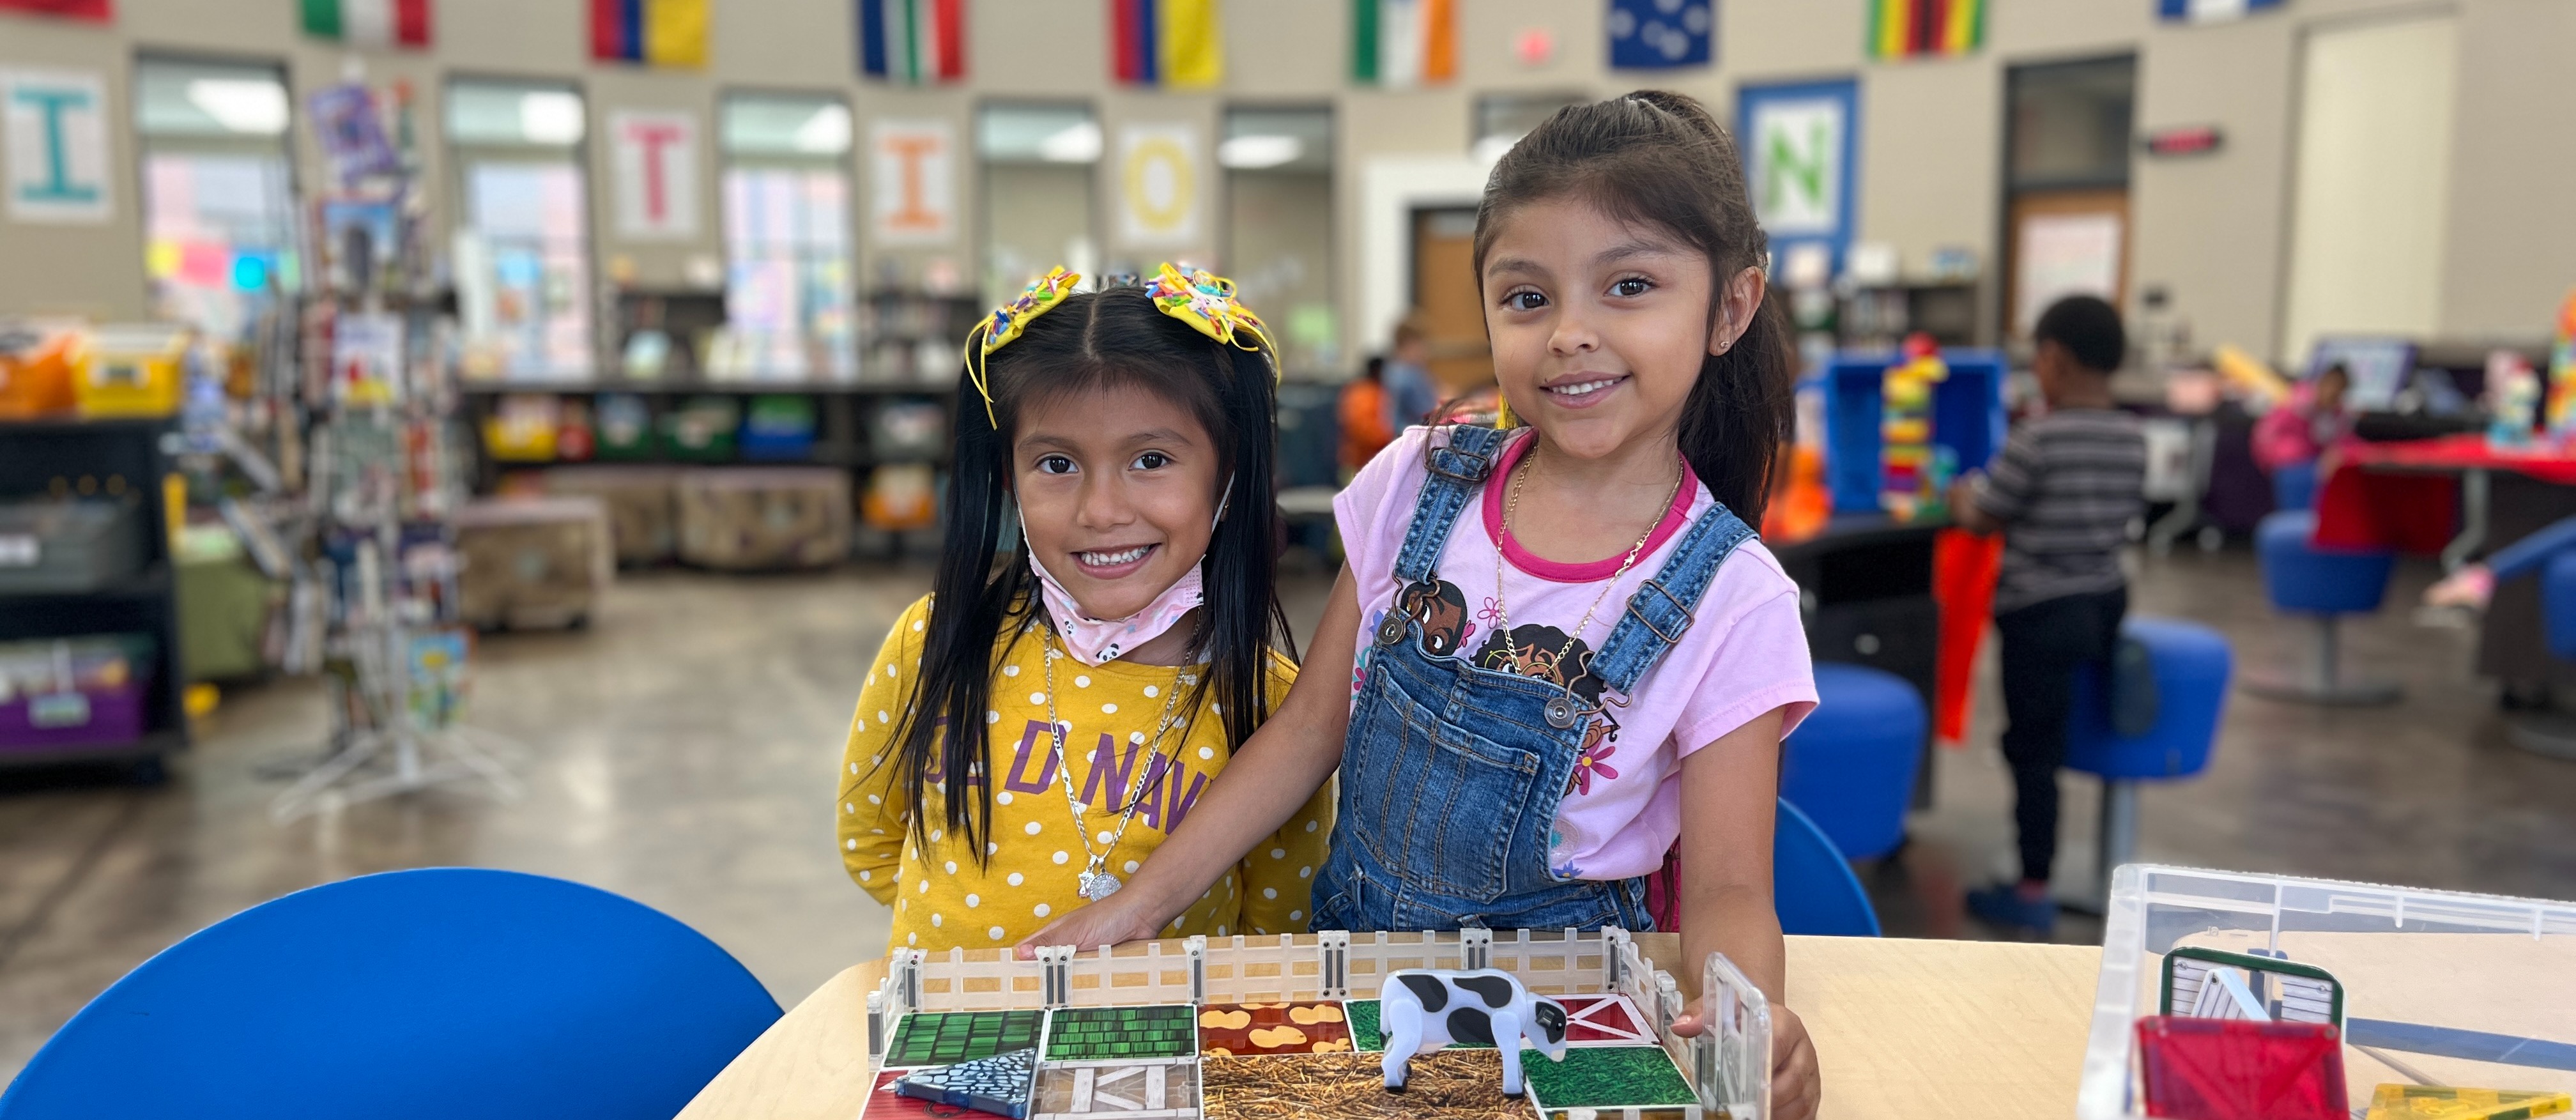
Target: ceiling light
550, 117
241, 104
1247, 152
1077, 144
826, 132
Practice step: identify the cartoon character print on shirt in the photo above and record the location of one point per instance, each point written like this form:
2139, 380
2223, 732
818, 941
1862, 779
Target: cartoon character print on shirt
1441, 609
1544, 652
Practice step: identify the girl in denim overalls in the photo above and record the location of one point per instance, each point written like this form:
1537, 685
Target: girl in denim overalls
1569, 655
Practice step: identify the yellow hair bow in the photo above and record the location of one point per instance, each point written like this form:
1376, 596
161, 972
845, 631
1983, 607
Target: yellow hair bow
1206, 301
1006, 323
1202, 299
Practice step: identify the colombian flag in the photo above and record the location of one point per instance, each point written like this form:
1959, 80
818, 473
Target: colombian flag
1914, 28
1177, 43
653, 32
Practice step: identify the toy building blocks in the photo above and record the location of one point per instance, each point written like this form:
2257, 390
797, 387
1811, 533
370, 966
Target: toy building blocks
999, 1084
1289, 1029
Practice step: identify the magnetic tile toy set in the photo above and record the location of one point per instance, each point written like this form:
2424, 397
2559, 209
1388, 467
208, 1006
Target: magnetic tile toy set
1517, 1025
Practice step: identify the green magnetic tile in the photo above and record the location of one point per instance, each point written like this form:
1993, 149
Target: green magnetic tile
939, 1038
1607, 1077
1369, 1038
1093, 1033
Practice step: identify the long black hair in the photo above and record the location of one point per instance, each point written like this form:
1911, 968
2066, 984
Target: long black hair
982, 603
1659, 159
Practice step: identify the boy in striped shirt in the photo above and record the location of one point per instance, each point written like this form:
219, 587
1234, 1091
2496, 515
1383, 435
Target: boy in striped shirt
2063, 493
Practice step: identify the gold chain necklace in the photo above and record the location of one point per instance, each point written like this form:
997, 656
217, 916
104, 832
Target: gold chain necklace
1096, 882
1562, 711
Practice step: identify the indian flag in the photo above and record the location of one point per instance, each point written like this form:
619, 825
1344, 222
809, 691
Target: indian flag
913, 41
1401, 43
369, 23
1917, 28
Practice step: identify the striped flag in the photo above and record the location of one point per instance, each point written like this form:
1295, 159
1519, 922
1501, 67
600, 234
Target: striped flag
653, 32
369, 23
913, 41
2210, 11
1920, 28
1176, 43
1400, 43
95, 11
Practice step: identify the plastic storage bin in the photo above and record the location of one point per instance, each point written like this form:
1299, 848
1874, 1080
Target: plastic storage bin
2461, 973
68, 547
1967, 417
131, 371
72, 693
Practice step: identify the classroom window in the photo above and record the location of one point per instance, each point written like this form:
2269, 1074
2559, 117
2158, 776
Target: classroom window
788, 291
219, 217
1038, 163
522, 252
1279, 227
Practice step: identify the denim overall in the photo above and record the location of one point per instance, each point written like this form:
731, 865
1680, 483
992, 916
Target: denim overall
1451, 773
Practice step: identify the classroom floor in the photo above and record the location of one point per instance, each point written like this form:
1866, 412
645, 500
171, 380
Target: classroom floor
680, 750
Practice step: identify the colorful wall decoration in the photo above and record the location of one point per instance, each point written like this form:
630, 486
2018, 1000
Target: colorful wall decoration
1403, 43
1661, 34
1799, 142
1925, 28
913, 42
1174, 43
651, 32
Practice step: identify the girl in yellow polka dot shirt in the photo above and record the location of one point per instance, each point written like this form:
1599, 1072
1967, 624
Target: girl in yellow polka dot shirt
1099, 687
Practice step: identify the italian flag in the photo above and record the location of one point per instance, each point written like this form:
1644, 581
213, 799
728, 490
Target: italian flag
913, 42
1400, 43
369, 23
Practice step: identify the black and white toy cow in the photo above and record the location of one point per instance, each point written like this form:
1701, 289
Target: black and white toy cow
1422, 1010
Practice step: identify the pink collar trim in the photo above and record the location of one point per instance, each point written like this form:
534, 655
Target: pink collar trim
1558, 571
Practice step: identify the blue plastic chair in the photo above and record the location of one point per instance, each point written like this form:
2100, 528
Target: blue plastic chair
2294, 486
2553, 733
2192, 666
2325, 584
441, 993
1812, 886
1850, 765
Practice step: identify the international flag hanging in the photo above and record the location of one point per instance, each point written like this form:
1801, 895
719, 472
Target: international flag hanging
1400, 43
1925, 28
95, 11
2210, 11
369, 23
1175, 43
913, 41
1661, 34
652, 32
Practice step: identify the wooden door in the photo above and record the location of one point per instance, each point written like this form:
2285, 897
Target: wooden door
1445, 292
2062, 242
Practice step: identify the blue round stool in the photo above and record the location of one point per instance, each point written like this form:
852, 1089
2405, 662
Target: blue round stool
2326, 584
2553, 733
2294, 486
2192, 663
1851, 764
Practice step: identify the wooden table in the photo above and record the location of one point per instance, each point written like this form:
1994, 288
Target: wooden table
1920, 1029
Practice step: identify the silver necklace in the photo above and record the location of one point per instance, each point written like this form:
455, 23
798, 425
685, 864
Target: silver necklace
1563, 711
1096, 882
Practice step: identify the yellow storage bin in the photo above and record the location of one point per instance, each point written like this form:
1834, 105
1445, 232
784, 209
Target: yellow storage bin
131, 371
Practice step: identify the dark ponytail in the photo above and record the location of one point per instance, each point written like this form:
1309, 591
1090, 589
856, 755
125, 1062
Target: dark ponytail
982, 603
1657, 158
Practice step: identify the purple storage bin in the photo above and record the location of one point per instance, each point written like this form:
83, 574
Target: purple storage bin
47, 721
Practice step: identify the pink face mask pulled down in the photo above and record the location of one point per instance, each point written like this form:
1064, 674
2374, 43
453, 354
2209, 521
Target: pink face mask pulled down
1093, 641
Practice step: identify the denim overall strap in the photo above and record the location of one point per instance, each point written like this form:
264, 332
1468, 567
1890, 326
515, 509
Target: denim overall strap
1661, 608
1457, 470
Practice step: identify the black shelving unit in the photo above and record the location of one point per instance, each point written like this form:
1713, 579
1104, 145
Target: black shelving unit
83, 457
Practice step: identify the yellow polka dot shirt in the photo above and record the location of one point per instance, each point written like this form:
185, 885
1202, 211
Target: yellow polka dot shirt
942, 899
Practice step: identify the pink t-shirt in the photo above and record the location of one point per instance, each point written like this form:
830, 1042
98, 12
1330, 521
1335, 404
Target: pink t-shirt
1744, 654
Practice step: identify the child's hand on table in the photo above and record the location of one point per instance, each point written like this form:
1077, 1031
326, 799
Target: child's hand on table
1795, 1085
1121, 917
